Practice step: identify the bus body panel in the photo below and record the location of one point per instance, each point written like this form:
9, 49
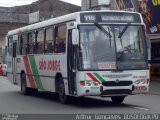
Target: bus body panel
9, 69
41, 70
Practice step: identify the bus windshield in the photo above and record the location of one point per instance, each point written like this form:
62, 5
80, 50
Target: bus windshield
112, 47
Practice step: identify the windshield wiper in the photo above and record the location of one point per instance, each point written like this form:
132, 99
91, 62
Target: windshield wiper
123, 31
103, 30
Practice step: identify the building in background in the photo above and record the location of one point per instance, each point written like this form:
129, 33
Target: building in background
10, 18
15, 17
95, 5
107, 4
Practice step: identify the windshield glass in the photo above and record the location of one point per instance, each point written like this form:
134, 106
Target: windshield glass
130, 45
111, 47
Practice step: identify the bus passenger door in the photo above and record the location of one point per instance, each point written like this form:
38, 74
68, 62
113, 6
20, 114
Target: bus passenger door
71, 65
14, 55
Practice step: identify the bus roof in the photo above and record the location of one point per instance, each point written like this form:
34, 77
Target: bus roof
58, 20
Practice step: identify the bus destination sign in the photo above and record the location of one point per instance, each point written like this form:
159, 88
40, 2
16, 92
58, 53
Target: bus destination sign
109, 17
128, 18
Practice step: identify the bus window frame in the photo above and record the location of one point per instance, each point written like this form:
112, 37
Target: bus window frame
24, 44
33, 41
10, 45
63, 39
52, 41
36, 43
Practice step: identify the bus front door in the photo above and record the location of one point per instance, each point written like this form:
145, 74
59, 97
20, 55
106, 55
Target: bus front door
71, 64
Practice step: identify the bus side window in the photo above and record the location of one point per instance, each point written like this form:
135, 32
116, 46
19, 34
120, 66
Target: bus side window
49, 40
24, 39
40, 42
19, 50
60, 39
10, 46
31, 43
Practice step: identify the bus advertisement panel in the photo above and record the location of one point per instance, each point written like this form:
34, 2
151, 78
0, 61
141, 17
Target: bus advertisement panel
124, 4
150, 9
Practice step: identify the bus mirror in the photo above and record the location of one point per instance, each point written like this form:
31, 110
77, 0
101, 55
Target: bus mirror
75, 37
75, 24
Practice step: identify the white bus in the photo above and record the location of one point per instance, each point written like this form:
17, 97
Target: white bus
91, 53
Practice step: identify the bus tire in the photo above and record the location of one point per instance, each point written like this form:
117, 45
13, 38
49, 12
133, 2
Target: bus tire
64, 99
24, 89
117, 99
33, 91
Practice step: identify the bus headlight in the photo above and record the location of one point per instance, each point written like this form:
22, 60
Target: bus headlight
95, 83
89, 83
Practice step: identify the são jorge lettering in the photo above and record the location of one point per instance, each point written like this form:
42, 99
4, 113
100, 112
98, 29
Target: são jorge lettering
51, 65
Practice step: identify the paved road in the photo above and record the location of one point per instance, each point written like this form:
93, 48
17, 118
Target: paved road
12, 101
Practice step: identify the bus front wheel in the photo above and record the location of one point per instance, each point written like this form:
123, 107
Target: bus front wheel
64, 99
117, 99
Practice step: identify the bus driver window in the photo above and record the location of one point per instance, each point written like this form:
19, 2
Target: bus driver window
60, 45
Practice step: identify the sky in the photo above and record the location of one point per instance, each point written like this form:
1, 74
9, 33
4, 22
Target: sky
11, 3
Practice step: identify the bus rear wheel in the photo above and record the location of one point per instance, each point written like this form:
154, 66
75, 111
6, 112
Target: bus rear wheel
117, 99
24, 89
64, 99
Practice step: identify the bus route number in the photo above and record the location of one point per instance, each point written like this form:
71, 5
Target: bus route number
89, 18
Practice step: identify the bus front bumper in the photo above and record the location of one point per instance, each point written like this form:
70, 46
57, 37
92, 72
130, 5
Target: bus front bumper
105, 91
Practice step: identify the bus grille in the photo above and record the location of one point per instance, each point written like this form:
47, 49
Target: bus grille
114, 83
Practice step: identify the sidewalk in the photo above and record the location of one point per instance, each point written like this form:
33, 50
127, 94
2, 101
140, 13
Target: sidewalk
154, 87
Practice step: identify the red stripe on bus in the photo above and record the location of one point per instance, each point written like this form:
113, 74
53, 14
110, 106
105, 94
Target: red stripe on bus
28, 70
92, 77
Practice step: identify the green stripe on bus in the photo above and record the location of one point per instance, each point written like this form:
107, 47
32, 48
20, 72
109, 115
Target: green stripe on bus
35, 72
99, 77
